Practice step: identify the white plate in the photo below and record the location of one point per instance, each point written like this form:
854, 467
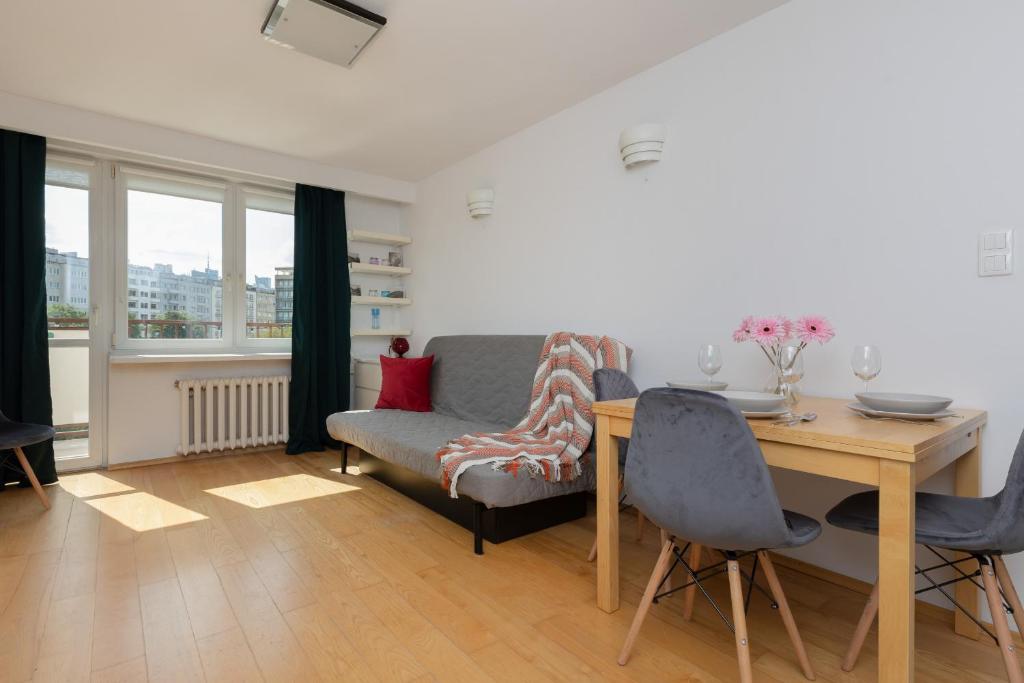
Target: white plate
699, 385
755, 401
755, 414
903, 403
923, 417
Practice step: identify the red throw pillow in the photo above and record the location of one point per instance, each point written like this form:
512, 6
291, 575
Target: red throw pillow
405, 383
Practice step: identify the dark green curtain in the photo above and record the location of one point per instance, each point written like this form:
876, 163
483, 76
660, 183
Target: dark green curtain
24, 354
321, 340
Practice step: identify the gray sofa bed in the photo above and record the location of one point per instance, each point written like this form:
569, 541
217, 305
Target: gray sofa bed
479, 383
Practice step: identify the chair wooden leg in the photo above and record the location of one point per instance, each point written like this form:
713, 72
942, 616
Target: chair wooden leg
691, 592
1009, 591
645, 602
739, 621
593, 552
664, 539
867, 618
995, 607
30, 473
787, 615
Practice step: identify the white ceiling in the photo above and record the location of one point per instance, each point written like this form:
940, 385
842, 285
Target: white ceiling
444, 79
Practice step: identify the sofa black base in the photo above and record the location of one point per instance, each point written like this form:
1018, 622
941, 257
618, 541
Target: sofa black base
497, 525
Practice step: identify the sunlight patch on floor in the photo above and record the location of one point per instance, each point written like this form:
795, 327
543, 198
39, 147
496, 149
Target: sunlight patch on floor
280, 490
141, 511
89, 484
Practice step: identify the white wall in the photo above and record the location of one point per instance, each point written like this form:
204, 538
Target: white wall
838, 158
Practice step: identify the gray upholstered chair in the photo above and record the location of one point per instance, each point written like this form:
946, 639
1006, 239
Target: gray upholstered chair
696, 470
984, 529
611, 385
15, 436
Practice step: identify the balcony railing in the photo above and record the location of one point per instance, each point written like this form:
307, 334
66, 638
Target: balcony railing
175, 329
268, 330
67, 323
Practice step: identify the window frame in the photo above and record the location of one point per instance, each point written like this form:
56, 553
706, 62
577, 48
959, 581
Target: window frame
233, 262
275, 200
98, 288
88, 167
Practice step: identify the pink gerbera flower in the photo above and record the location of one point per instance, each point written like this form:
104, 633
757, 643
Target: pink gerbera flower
744, 331
767, 331
814, 328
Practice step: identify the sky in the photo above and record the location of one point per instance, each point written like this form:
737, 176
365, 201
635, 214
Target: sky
67, 219
164, 229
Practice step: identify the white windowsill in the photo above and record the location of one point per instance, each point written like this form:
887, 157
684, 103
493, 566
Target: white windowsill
137, 358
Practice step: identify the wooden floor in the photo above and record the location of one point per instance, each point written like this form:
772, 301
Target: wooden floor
268, 567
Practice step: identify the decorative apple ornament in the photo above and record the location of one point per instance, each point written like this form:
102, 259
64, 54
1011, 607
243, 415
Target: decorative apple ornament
399, 346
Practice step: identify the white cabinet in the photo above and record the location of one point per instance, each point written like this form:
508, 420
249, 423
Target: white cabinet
367, 383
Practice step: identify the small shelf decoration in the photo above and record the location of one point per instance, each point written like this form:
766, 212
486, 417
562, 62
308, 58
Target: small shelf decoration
399, 346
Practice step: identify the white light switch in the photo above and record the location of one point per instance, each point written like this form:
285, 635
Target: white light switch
995, 253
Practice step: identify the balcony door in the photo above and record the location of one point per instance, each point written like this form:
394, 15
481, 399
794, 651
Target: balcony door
72, 308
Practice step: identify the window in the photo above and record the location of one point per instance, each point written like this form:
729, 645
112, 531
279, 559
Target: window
67, 251
269, 266
173, 235
215, 259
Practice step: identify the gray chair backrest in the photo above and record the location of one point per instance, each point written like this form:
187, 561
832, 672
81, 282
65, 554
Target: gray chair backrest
483, 377
1006, 529
610, 385
696, 470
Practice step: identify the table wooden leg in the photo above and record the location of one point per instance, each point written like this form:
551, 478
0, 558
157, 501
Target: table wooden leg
896, 571
968, 484
607, 517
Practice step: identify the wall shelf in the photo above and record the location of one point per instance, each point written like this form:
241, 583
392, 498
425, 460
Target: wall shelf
381, 333
380, 301
388, 238
369, 269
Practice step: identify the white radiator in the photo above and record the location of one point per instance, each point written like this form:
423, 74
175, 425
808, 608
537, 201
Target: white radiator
223, 413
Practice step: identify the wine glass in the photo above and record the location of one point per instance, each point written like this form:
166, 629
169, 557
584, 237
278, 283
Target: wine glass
791, 371
709, 360
866, 363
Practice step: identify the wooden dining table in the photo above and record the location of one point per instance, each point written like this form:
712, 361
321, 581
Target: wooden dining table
891, 455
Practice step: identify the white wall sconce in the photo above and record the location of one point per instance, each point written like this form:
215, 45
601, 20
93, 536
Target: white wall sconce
480, 202
641, 143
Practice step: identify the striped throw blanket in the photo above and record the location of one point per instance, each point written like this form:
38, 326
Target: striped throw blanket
557, 429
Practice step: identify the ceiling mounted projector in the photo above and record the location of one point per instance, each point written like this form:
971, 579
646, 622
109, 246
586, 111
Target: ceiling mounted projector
333, 30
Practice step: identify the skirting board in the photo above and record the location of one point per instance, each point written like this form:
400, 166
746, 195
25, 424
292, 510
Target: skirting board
195, 456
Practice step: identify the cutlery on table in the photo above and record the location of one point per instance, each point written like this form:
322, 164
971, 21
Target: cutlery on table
912, 422
790, 420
